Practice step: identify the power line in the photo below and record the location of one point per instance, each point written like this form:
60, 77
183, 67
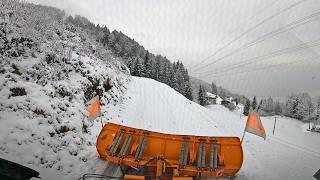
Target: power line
267, 56
248, 31
234, 30
292, 25
267, 67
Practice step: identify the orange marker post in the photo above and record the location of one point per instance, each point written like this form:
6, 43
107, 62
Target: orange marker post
254, 125
93, 107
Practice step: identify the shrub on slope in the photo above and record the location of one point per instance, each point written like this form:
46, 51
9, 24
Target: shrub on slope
48, 70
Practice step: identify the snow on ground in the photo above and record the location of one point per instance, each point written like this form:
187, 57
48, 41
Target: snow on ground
289, 154
155, 106
43, 122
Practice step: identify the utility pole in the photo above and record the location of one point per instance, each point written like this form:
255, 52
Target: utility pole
274, 125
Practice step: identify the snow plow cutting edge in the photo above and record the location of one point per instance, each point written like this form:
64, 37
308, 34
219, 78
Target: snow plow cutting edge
167, 156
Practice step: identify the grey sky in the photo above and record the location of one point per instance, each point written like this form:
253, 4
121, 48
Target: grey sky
192, 30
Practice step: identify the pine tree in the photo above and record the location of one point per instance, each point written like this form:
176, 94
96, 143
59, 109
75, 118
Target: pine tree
155, 68
277, 108
130, 64
246, 108
138, 69
269, 106
214, 89
260, 105
290, 105
202, 96
167, 73
299, 106
254, 103
180, 80
188, 91
317, 112
173, 79
147, 65
299, 109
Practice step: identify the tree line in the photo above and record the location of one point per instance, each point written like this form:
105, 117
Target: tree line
298, 106
140, 62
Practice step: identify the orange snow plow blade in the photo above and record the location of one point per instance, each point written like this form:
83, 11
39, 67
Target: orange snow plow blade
170, 156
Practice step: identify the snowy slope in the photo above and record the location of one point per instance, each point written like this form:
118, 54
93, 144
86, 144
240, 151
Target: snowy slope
48, 71
155, 106
46, 126
289, 154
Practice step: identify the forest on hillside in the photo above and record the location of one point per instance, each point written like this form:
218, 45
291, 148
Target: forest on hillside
140, 61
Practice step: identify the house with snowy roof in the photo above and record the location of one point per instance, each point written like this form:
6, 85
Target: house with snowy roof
240, 107
213, 99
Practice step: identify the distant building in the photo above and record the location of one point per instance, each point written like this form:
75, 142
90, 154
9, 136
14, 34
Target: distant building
213, 99
240, 107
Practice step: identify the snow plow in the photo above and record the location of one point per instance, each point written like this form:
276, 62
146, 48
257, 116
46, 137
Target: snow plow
166, 156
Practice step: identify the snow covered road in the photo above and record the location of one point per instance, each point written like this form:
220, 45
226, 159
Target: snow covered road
289, 154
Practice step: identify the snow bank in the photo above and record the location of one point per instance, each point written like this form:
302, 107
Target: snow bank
155, 106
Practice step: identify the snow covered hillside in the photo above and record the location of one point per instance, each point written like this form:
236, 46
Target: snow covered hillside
48, 71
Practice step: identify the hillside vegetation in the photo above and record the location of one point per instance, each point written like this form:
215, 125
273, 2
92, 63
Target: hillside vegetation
49, 69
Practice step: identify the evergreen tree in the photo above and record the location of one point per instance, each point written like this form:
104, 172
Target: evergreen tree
138, 69
299, 106
269, 106
214, 89
277, 108
254, 103
246, 108
155, 68
299, 109
188, 91
147, 65
167, 73
318, 106
290, 106
317, 112
202, 96
308, 104
260, 105
180, 80
173, 79
130, 64
105, 37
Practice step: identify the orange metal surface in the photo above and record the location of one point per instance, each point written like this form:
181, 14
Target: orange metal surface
182, 178
133, 177
165, 150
